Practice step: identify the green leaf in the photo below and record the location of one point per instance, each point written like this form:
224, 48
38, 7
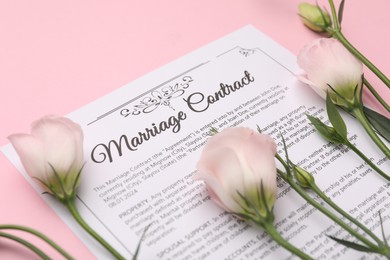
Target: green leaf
341, 11
258, 129
358, 92
288, 162
135, 256
285, 150
327, 23
327, 132
264, 200
353, 245
242, 215
335, 118
248, 204
379, 122
382, 229
212, 131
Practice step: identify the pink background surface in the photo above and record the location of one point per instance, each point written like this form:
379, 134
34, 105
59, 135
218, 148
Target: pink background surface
56, 56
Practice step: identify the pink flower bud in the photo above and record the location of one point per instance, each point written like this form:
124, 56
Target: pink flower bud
239, 161
52, 154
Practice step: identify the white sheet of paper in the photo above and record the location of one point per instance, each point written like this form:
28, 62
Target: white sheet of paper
142, 143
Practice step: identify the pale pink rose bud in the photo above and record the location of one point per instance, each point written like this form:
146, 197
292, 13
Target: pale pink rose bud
314, 17
52, 154
239, 161
327, 61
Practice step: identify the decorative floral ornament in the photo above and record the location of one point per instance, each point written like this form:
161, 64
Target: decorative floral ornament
52, 154
328, 64
314, 17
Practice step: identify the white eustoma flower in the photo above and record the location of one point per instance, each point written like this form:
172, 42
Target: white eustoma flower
240, 161
52, 154
327, 62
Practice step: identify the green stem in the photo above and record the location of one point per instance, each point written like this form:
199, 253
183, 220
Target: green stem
359, 114
376, 95
27, 244
367, 160
339, 36
318, 191
41, 236
334, 16
271, 230
73, 210
325, 211
336, 33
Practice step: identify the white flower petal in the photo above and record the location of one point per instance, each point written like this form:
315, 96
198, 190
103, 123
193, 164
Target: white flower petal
238, 160
31, 154
54, 142
327, 61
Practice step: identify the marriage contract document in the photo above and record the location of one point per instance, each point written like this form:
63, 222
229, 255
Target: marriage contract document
142, 143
